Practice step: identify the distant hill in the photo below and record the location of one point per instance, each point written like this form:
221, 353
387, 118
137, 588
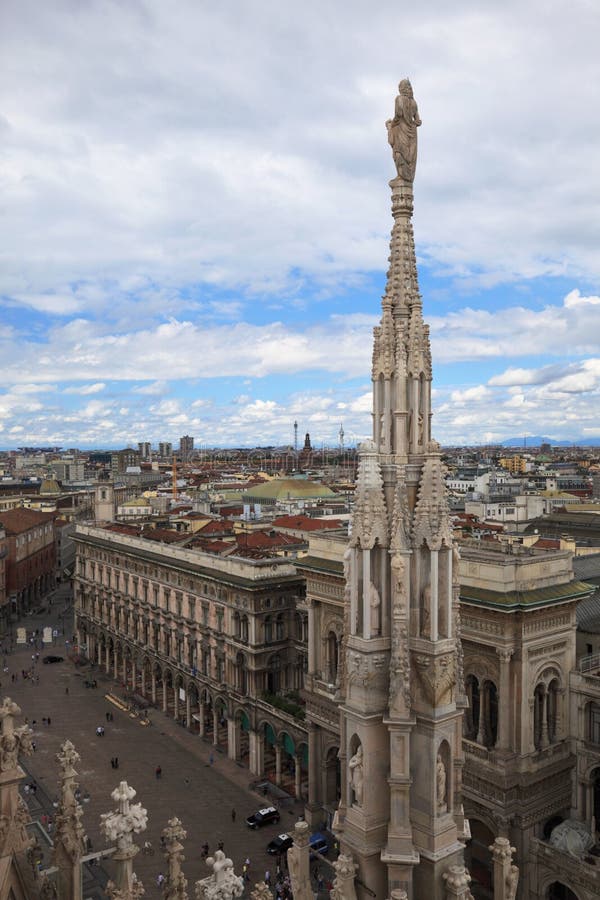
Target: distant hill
535, 440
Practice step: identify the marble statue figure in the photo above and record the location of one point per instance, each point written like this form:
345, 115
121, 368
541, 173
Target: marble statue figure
402, 132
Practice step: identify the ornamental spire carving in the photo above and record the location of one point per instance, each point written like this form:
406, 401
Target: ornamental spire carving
369, 524
432, 513
175, 887
13, 741
69, 841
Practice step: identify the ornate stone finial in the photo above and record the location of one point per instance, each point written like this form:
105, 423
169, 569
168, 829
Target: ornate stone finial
345, 873
402, 132
13, 741
261, 891
175, 887
223, 884
136, 890
119, 827
457, 881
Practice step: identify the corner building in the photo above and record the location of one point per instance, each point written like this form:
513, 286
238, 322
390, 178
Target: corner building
401, 687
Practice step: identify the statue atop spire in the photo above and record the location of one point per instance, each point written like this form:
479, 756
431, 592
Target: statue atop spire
402, 132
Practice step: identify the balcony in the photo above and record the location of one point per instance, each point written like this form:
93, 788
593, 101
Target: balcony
590, 665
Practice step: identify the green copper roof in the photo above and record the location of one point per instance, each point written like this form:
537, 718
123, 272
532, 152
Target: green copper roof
555, 593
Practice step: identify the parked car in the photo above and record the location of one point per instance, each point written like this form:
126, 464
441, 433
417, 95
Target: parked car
280, 844
318, 843
52, 659
263, 817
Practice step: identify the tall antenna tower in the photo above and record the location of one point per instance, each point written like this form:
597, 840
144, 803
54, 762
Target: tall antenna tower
341, 434
295, 437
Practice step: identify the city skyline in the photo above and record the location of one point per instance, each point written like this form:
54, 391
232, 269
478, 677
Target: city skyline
193, 242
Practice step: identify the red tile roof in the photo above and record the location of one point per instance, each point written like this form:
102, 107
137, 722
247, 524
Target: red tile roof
20, 519
306, 523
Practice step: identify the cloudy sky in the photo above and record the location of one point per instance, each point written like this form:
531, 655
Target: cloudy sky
195, 216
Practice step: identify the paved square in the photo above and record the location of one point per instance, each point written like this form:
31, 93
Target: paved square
202, 796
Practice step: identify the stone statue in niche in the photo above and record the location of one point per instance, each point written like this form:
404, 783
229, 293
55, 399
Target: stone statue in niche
375, 606
440, 785
402, 132
357, 777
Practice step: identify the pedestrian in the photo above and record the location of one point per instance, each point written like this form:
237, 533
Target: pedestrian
268, 878
160, 879
158, 772
211, 758
66, 690
233, 815
48, 720
108, 717
205, 849
44, 720
112, 762
220, 846
116, 762
320, 882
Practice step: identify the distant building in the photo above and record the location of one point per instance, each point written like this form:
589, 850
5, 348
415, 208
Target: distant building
186, 447
123, 460
165, 449
145, 449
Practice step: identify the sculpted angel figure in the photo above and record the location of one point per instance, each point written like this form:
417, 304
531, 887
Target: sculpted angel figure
402, 132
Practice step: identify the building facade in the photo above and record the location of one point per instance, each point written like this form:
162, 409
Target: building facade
518, 609
30, 561
215, 643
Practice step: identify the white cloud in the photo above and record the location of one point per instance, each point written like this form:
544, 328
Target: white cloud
84, 389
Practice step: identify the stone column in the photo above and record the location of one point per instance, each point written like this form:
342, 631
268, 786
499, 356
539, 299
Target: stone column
188, 710
482, 713
313, 765
175, 702
257, 752
503, 741
133, 676
351, 567
366, 585
201, 720
297, 777
143, 680
312, 638
506, 875
544, 718
298, 857
164, 696
215, 727
115, 664
278, 764
434, 595
107, 660
233, 739
449, 592
153, 686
